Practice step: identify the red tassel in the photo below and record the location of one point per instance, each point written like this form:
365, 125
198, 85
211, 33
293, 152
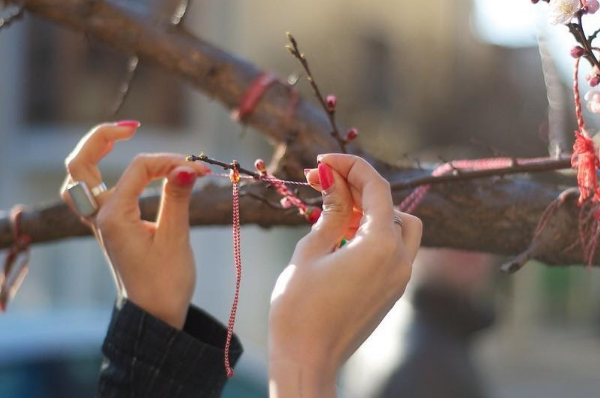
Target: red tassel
585, 160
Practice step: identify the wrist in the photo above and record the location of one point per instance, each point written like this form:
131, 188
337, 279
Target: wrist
168, 311
290, 378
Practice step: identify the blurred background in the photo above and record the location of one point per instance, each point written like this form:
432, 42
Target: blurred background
433, 81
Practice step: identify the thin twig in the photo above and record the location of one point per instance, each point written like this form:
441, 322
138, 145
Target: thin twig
133, 62
227, 166
124, 89
295, 51
593, 36
549, 165
578, 32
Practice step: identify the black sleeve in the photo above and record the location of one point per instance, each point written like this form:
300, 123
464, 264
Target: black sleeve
145, 357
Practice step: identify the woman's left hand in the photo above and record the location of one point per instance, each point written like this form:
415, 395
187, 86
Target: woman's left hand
152, 262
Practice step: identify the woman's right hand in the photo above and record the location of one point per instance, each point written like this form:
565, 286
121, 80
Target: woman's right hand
328, 301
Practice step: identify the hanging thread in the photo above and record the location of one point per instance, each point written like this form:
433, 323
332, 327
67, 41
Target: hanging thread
234, 175
585, 156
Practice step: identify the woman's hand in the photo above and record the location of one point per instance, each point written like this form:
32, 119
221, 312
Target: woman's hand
152, 262
328, 301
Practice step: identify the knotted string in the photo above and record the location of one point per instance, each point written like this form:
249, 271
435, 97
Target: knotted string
280, 185
585, 155
410, 203
14, 272
234, 175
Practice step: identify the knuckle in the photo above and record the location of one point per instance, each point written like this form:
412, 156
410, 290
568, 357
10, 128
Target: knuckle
99, 127
140, 158
336, 207
414, 223
73, 163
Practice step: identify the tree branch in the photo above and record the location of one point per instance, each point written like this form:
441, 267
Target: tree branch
463, 175
218, 74
493, 216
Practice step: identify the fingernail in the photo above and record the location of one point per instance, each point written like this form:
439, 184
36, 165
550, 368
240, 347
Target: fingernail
2, 306
342, 242
325, 176
128, 123
186, 177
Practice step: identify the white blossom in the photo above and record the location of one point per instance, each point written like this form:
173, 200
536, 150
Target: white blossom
563, 11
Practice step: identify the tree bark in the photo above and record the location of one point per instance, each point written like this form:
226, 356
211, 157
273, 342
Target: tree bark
493, 215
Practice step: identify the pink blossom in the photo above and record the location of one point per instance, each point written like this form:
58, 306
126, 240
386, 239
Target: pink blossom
593, 101
351, 134
592, 6
285, 202
331, 102
563, 11
577, 52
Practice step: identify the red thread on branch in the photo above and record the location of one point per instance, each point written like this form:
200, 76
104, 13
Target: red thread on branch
250, 99
14, 271
585, 156
410, 203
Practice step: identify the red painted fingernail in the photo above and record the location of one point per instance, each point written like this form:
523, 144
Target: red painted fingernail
128, 123
325, 176
2, 306
186, 177
306, 171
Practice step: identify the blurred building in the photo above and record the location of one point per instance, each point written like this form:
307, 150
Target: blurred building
415, 77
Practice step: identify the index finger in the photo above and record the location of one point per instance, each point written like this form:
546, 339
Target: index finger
82, 162
368, 187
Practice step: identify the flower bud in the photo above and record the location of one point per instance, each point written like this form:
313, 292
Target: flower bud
577, 52
331, 102
312, 214
285, 202
259, 165
592, 6
351, 134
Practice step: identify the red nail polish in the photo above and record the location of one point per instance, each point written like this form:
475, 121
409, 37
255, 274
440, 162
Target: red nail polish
325, 176
2, 306
186, 177
306, 171
128, 123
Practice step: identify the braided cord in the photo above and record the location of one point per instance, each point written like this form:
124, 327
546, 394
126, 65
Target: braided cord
238, 271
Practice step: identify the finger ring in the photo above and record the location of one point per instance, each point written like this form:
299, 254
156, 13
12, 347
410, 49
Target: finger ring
100, 188
83, 199
398, 220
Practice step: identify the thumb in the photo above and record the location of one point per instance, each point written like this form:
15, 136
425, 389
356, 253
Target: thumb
173, 216
337, 212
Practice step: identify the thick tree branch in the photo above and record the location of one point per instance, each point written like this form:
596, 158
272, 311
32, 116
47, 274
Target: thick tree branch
463, 175
489, 216
497, 216
218, 74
